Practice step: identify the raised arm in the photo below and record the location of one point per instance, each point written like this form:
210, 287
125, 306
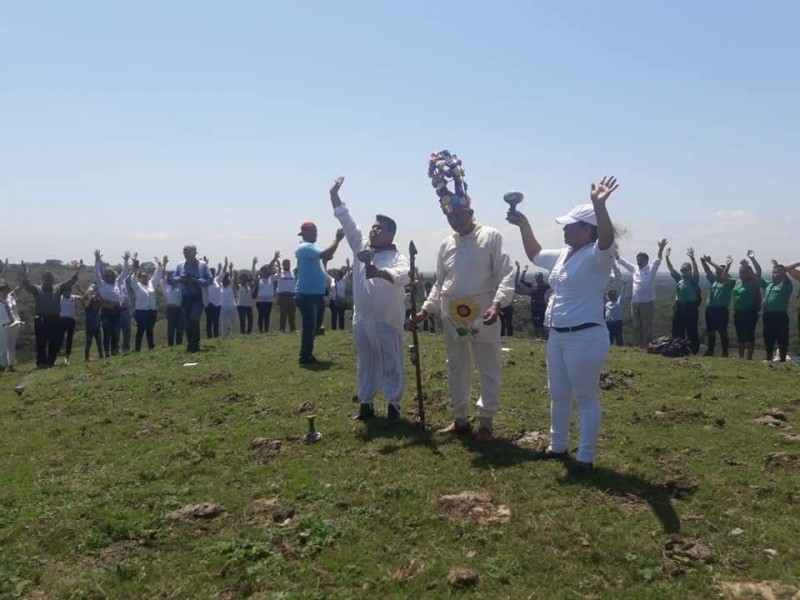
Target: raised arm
599, 194
756, 267
672, 270
529, 242
794, 270
695, 271
328, 252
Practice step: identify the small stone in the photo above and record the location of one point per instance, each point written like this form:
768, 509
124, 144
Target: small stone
204, 510
770, 553
735, 532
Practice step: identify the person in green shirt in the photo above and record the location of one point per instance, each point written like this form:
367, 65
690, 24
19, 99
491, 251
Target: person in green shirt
719, 297
746, 304
687, 299
794, 270
777, 294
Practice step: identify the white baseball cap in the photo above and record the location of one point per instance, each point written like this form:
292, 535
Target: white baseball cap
582, 212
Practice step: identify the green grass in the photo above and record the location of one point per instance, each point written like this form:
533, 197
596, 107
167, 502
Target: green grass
95, 457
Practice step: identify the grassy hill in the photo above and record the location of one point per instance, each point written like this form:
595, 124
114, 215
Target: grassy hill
696, 490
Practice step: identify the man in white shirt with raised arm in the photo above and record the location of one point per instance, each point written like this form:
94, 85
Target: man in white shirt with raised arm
643, 293
379, 275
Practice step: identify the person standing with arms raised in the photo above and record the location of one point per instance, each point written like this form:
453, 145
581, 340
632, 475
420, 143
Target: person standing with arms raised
192, 275
643, 293
310, 286
578, 343
379, 276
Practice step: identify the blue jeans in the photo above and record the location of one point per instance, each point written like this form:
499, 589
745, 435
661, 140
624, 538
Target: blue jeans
311, 306
175, 325
192, 310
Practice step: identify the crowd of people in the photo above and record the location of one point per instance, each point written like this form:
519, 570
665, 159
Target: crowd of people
576, 303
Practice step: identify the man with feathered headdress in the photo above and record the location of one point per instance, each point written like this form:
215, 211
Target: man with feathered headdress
474, 280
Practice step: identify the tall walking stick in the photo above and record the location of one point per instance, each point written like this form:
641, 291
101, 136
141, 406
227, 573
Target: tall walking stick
413, 350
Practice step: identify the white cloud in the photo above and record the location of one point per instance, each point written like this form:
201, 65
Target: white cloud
159, 235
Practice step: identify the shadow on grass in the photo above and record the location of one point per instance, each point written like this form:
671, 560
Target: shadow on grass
500, 453
658, 496
322, 365
405, 433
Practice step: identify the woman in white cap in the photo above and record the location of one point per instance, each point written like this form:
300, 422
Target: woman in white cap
578, 342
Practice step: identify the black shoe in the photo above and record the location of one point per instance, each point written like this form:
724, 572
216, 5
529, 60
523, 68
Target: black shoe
580, 469
548, 454
320, 331
393, 415
365, 412
311, 360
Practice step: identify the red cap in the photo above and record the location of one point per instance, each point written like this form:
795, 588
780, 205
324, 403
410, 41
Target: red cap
307, 225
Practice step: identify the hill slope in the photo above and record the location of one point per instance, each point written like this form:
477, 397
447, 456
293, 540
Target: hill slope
97, 458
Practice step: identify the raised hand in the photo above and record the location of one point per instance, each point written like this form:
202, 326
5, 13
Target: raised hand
157, 261
98, 255
516, 264
126, 255
255, 260
705, 258
337, 184
690, 252
277, 255
205, 259
751, 255
339, 234
601, 191
516, 218
668, 252
728, 260
525, 269
662, 244
165, 260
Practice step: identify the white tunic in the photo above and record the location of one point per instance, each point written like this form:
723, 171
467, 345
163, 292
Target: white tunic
375, 300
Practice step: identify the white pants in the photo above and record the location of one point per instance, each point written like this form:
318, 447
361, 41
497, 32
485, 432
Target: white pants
227, 321
380, 362
8, 345
574, 362
459, 375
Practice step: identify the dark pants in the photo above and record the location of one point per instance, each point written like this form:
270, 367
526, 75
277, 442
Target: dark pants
175, 325
192, 311
212, 320
92, 335
717, 322
684, 323
321, 317
507, 321
66, 327
429, 324
310, 307
48, 339
776, 330
125, 328
245, 319
110, 320
145, 321
337, 315
744, 321
615, 332
264, 310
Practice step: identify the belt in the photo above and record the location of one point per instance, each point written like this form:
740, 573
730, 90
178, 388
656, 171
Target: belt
575, 328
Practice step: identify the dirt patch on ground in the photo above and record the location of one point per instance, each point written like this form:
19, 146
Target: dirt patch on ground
236, 398
459, 577
212, 378
673, 465
409, 571
538, 439
782, 459
117, 552
770, 421
306, 407
265, 448
629, 504
764, 590
616, 380
475, 507
269, 512
204, 511
790, 437
681, 487
682, 553
670, 415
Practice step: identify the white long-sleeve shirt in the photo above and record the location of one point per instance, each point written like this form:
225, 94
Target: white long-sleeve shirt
145, 295
172, 293
644, 280
473, 266
375, 300
111, 293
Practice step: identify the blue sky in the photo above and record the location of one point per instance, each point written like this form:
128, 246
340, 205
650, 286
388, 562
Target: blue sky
145, 125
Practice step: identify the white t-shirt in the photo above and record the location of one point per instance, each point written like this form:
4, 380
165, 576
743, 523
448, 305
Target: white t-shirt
644, 280
286, 282
266, 289
577, 284
227, 297
245, 295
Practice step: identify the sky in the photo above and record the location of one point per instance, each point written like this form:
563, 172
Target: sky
146, 125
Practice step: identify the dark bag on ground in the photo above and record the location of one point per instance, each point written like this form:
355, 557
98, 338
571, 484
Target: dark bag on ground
671, 347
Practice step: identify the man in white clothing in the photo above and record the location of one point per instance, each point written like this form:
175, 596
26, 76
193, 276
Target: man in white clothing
379, 276
643, 294
474, 280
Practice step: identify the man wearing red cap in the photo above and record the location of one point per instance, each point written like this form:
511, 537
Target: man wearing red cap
310, 286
